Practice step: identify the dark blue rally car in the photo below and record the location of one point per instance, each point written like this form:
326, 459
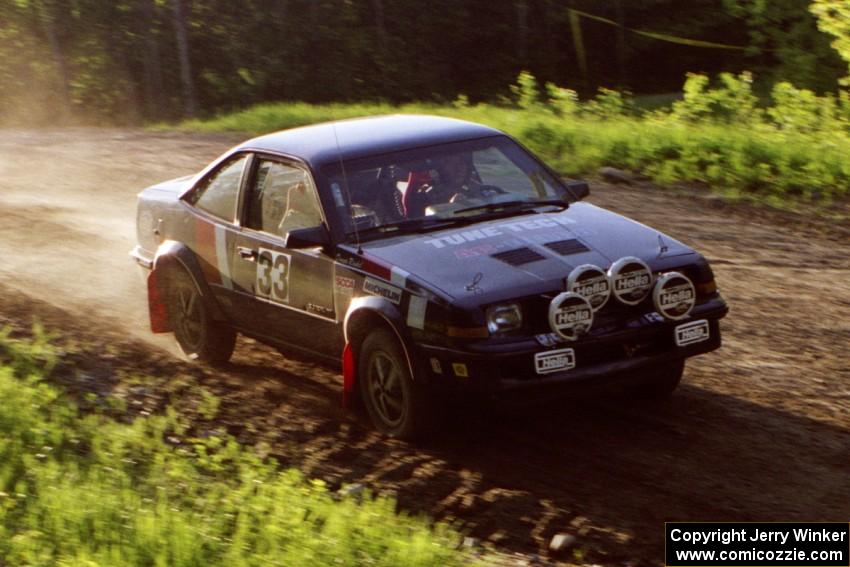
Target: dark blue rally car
430, 257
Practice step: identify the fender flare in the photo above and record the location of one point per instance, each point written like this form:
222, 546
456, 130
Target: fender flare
168, 255
388, 312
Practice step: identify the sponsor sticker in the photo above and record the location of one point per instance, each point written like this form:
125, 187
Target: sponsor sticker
460, 370
570, 315
458, 238
691, 333
631, 280
554, 361
591, 283
416, 312
549, 339
344, 285
674, 296
377, 287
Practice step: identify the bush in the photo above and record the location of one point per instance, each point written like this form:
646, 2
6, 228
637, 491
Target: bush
85, 490
796, 148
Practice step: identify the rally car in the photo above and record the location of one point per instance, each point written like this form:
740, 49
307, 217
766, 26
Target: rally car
428, 257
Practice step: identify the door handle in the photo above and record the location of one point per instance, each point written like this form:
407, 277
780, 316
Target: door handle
247, 253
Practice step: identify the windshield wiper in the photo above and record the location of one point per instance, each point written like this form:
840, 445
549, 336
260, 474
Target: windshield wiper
410, 225
518, 205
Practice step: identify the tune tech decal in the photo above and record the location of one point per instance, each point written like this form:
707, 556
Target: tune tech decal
458, 238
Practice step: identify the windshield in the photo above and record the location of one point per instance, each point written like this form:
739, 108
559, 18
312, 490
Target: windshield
454, 181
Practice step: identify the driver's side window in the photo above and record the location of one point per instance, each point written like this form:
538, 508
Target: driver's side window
282, 199
217, 194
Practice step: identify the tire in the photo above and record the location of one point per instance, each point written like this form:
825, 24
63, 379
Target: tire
398, 405
661, 380
200, 337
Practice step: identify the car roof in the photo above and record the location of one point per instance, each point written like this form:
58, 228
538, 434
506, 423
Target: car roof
325, 143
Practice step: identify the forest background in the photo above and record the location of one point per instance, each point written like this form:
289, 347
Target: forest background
746, 96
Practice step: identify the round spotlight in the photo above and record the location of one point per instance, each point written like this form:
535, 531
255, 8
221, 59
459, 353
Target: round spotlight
631, 280
570, 315
591, 283
674, 296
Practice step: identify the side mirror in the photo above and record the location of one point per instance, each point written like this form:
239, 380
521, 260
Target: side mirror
308, 237
578, 189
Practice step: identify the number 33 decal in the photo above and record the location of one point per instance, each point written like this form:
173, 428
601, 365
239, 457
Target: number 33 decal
273, 275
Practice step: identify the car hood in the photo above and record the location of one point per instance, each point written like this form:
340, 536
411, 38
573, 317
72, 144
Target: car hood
172, 187
521, 255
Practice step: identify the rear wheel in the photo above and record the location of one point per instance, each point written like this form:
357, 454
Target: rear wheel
397, 404
200, 337
661, 380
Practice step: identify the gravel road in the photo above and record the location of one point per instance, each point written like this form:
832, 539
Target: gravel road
759, 430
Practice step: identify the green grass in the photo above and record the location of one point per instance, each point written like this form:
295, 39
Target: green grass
751, 159
85, 490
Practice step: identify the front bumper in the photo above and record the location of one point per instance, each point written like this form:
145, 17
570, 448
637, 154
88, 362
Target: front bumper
600, 358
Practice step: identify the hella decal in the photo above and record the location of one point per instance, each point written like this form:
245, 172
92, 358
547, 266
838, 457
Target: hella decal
554, 361
691, 333
631, 280
674, 296
463, 237
377, 287
570, 315
591, 283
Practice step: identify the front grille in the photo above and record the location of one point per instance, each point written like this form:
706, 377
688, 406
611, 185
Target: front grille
519, 256
587, 355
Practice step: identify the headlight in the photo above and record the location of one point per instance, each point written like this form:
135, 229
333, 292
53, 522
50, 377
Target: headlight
504, 318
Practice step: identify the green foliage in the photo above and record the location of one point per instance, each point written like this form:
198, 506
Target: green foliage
607, 104
733, 101
794, 149
785, 44
563, 101
802, 110
834, 18
119, 61
89, 491
525, 91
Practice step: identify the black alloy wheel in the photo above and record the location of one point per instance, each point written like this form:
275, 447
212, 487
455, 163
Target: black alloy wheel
397, 403
200, 337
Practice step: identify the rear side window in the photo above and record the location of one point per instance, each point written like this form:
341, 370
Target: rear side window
218, 193
282, 199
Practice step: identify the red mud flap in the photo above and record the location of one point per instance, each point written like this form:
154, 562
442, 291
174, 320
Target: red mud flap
156, 307
349, 376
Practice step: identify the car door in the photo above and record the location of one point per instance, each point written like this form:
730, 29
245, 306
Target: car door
285, 294
210, 228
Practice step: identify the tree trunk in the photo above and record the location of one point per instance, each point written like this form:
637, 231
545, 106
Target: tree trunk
190, 103
621, 45
46, 17
380, 26
522, 31
151, 60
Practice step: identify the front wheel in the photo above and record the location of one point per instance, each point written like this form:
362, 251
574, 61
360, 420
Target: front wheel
398, 405
200, 337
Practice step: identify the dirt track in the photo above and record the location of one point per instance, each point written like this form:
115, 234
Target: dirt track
760, 430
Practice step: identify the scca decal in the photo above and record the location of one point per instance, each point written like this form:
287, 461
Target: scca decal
490, 231
344, 285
